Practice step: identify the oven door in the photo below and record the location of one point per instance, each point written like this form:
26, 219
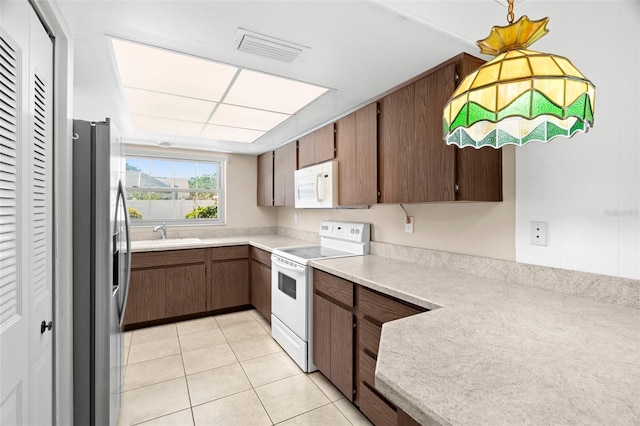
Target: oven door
289, 292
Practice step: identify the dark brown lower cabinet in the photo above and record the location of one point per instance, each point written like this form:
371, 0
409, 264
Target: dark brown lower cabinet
174, 284
230, 280
185, 290
146, 296
261, 281
333, 330
373, 310
165, 284
261, 289
229, 277
347, 357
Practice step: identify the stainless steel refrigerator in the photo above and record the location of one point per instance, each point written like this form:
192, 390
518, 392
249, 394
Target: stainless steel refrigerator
101, 269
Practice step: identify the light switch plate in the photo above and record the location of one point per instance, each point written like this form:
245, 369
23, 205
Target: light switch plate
539, 233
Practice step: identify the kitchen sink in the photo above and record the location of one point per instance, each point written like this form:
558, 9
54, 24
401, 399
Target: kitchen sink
171, 242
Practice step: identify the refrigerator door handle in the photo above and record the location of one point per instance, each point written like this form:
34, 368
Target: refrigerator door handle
124, 287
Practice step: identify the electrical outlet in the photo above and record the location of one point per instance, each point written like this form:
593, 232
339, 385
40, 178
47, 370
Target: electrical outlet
295, 217
408, 224
539, 233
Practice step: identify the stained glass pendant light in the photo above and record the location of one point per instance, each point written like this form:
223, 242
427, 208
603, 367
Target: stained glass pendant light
520, 95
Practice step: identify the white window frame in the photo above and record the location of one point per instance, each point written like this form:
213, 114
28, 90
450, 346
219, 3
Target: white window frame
180, 155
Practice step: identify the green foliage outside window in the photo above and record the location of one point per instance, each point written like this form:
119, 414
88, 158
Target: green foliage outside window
134, 213
202, 212
203, 182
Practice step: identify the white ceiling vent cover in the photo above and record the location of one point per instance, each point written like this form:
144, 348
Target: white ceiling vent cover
269, 47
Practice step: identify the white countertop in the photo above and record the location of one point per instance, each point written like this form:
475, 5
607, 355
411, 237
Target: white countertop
264, 242
495, 353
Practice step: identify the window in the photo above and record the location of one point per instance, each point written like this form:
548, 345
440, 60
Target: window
171, 190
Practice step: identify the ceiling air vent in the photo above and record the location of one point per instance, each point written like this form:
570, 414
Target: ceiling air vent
269, 47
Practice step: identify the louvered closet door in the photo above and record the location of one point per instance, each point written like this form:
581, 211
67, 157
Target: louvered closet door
40, 215
26, 210
14, 321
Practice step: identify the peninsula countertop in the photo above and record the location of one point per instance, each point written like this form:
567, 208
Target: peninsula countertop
492, 352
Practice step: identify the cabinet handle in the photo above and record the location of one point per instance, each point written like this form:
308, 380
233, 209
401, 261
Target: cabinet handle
456, 187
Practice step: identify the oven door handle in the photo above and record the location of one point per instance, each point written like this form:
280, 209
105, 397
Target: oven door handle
287, 267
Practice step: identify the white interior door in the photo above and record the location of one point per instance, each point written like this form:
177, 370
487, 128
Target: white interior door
40, 217
26, 94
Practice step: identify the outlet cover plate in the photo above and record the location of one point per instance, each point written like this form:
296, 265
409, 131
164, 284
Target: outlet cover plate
408, 225
539, 233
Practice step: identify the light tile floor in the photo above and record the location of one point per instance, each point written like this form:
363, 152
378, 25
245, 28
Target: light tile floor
223, 370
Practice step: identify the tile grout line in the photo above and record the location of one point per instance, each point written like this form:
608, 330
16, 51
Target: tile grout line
308, 411
253, 388
186, 382
240, 363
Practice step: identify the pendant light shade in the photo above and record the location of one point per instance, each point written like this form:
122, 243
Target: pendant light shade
520, 96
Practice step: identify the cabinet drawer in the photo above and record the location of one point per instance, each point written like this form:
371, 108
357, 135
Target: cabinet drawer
366, 368
334, 287
376, 408
369, 334
231, 252
151, 259
261, 256
384, 308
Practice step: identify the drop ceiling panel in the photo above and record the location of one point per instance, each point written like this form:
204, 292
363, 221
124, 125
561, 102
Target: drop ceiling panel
165, 71
157, 125
234, 134
247, 118
144, 102
265, 91
366, 50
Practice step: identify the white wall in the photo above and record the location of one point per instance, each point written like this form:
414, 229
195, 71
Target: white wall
242, 193
588, 188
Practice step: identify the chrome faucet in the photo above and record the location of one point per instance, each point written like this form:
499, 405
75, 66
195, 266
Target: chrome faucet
163, 230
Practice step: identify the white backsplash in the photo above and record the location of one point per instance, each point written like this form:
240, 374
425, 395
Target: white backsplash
143, 233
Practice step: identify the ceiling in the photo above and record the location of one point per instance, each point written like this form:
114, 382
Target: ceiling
359, 49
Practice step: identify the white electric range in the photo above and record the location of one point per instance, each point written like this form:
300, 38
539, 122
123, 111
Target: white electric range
292, 285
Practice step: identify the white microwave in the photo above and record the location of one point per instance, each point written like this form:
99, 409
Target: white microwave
317, 186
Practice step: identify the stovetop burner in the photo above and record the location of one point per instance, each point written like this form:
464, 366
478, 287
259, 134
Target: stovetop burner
337, 239
313, 252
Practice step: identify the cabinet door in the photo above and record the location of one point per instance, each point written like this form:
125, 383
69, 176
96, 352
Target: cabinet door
307, 150
322, 334
342, 350
285, 162
265, 179
146, 301
185, 290
415, 163
317, 146
356, 152
396, 145
261, 288
479, 174
432, 165
325, 143
478, 171
230, 283
333, 343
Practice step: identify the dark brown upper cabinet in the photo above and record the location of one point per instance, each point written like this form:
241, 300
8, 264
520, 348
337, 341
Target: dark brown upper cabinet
356, 152
414, 163
285, 163
265, 179
317, 147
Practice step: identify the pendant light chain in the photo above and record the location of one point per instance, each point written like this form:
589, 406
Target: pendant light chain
510, 15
